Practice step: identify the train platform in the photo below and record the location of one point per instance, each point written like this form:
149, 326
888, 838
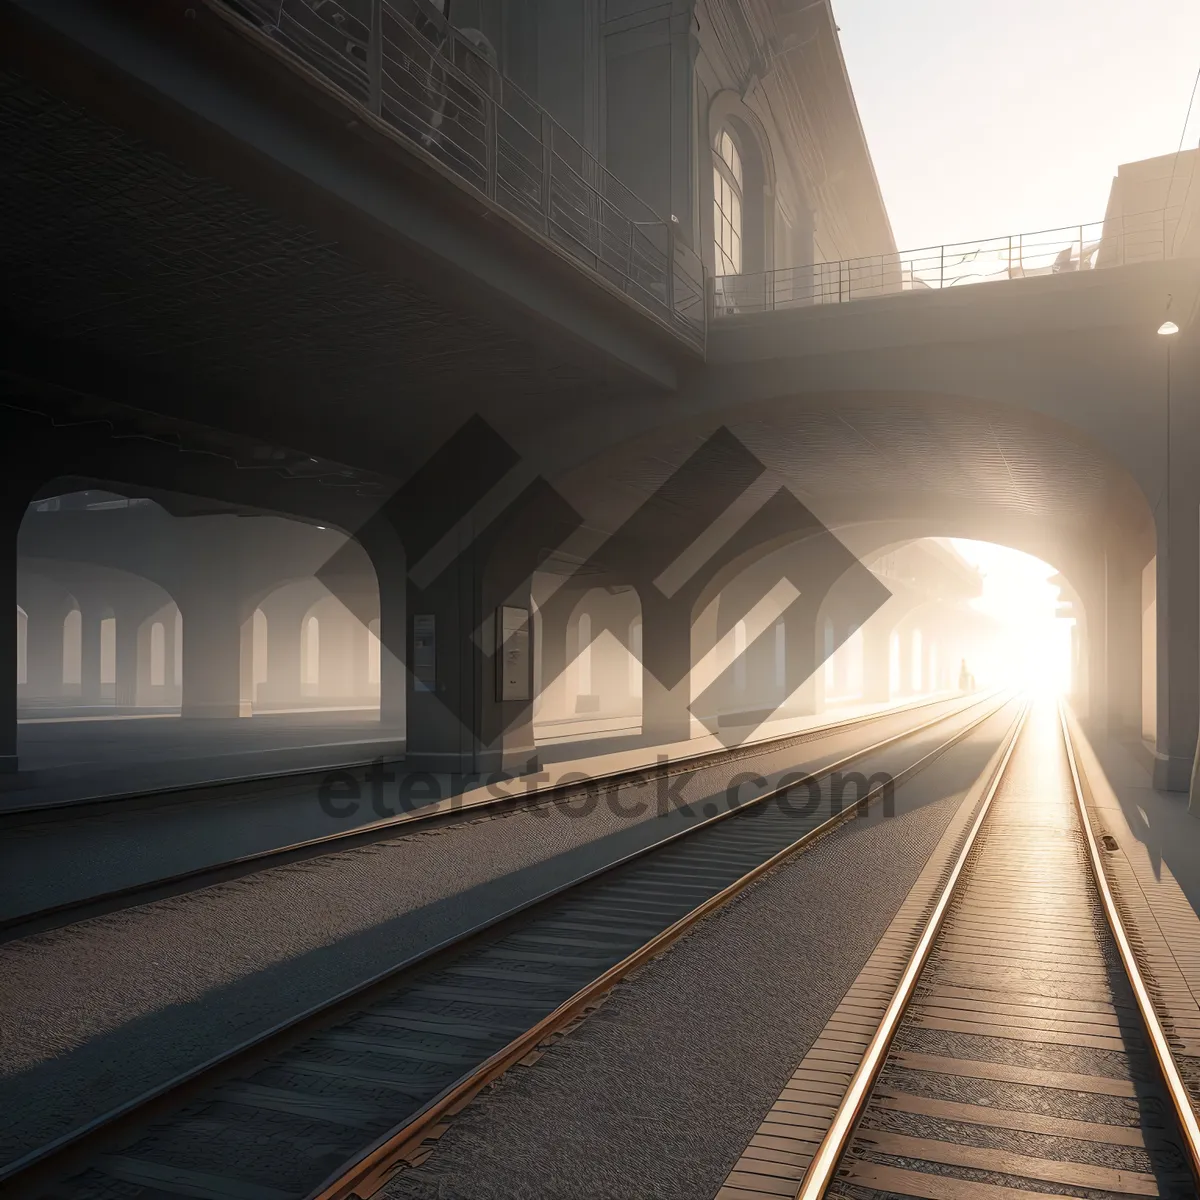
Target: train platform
53, 856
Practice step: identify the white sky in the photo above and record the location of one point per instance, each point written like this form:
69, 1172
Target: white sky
1036, 644
987, 118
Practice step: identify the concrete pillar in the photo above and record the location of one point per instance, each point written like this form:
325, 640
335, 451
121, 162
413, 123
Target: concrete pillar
360, 653
336, 651
1123, 582
10, 523
44, 653
554, 625
876, 684
802, 676
666, 671
128, 628
90, 617
216, 681
906, 662
1178, 604
282, 684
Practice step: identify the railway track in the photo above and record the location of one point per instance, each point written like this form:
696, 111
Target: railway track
449, 811
1019, 1056
329, 1103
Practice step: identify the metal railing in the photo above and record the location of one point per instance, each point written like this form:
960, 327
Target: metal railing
1141, 237
440, 89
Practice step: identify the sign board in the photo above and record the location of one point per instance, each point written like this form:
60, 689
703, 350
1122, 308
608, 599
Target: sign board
514, 662
424, 663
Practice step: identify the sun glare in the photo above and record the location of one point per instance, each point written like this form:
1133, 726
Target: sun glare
1031, 645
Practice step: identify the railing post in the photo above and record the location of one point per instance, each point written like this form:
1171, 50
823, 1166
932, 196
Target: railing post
547, 169
375, 59
490, 140
671, 267
1081, 247
942, 268
840, 280
1010, 256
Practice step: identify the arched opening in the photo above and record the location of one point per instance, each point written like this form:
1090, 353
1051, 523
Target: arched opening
828, 659
894, 665
915, 681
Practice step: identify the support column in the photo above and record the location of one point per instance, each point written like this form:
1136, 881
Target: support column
10, 523
554, 625
1178, 598
666, 672
215, 679
803, 678
876, 684
125, 693
90, 617
44, 654
1124, 651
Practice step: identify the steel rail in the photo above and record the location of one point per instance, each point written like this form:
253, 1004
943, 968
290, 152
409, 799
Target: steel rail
837, 1137
366, 1174
440, 813
186, 1083
1181, 1102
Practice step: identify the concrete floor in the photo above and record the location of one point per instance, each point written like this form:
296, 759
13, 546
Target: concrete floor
108, 1007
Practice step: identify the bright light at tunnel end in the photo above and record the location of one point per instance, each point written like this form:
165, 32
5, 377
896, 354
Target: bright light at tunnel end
1167, 328
1031, 646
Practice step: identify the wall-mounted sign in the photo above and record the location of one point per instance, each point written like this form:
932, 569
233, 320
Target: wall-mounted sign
514, 662
424, 663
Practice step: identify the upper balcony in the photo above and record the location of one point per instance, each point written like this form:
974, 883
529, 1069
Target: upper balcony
403, 68
1119, 240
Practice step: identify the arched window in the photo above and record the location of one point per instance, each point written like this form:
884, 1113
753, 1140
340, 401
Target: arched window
727, 206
